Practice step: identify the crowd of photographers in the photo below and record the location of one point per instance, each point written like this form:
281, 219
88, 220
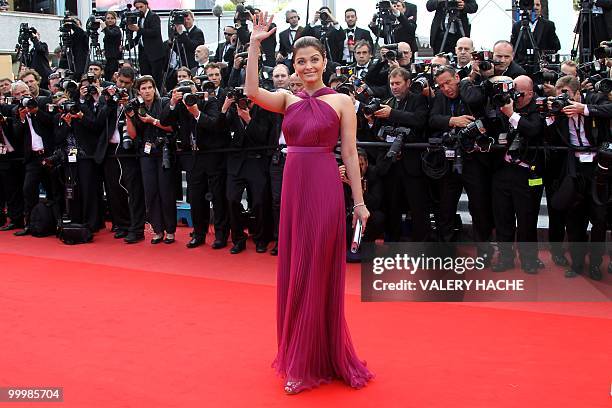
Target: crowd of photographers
115, 136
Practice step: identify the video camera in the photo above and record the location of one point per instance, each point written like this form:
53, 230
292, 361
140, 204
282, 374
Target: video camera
385, 13
244, 12
178, 17
525, 5
129, 17
68, 24
26, 33
240, 99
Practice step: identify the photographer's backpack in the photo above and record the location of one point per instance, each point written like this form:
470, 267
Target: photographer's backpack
42, 220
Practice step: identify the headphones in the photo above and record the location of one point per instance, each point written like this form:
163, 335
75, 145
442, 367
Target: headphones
287, 20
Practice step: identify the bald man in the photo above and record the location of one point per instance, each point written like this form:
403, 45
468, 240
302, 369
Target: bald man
517, 185
463, 51
201, 54
503, 54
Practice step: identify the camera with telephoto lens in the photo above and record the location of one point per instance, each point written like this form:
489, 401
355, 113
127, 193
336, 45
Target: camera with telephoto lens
136, 105
556, 104
603, 86
385, 13
178, 17
396, 136
324, 16
69, 86
119, 94
126, 141
484, 59
421, 82
346, 88
372, 106
591, 69
392, 54
163, 142
240, 99
92, 25
501, 92
68, 24
28, 102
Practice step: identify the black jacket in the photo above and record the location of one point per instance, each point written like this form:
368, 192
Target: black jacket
40, 61
80, 50
404, 30
258, 132
154, 49
190, 42
514, 70
438, 23
42, 122
335, 40
112, 42
544, 35
411, 112
285, 45
185, 124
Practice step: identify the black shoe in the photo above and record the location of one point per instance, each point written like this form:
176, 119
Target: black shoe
530, 267
571, 273
132, 238
155, 241
23, 232
261, 247
195, 242
168, 240
502, 266
274, 251
595, 272
560, 260
218, 244
238, 247
10, 226
120, 234
115, 228
539, 264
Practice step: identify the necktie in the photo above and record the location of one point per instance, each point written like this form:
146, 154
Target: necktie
292, 36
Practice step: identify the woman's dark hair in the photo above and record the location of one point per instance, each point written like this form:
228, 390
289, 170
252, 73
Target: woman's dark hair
305, 42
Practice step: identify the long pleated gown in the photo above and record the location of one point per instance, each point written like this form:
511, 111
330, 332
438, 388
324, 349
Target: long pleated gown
314, 344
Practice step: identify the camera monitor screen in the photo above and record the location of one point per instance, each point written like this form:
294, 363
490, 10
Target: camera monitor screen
157, 4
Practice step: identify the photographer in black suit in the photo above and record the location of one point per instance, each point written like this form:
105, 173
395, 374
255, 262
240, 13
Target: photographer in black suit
517, 183
460, 8
328, 31
189, 36
79, 47
582, 122
287, 37
33, 125
122, 175
11, 168
198, 131
387, 61
544, 35
353, 34
404, 29
151, 50
450, 112
250, 126
401, 170
112, 44
39, 59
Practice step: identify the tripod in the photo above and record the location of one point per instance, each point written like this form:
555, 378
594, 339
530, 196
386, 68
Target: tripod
532, 49
66, 46
132, 47
452, 15
384, 27
324, 33
95, 52
179, 50
583, 42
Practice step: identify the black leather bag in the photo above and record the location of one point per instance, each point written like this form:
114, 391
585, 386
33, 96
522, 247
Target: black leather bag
72, 234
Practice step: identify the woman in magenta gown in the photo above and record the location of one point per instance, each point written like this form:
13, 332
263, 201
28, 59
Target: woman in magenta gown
314, 345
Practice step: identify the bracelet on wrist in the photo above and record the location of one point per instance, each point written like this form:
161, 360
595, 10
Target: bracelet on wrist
358, 205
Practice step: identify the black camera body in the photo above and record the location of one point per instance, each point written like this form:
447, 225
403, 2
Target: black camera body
372, 106
136, 105
451, 5
120, 93
28, 102
501, 93
130, 17
526, 5
603, 86
391, 55
484, 59
26, 33
556, 105
240, 99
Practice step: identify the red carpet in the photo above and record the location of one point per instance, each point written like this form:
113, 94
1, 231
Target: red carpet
104, 322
